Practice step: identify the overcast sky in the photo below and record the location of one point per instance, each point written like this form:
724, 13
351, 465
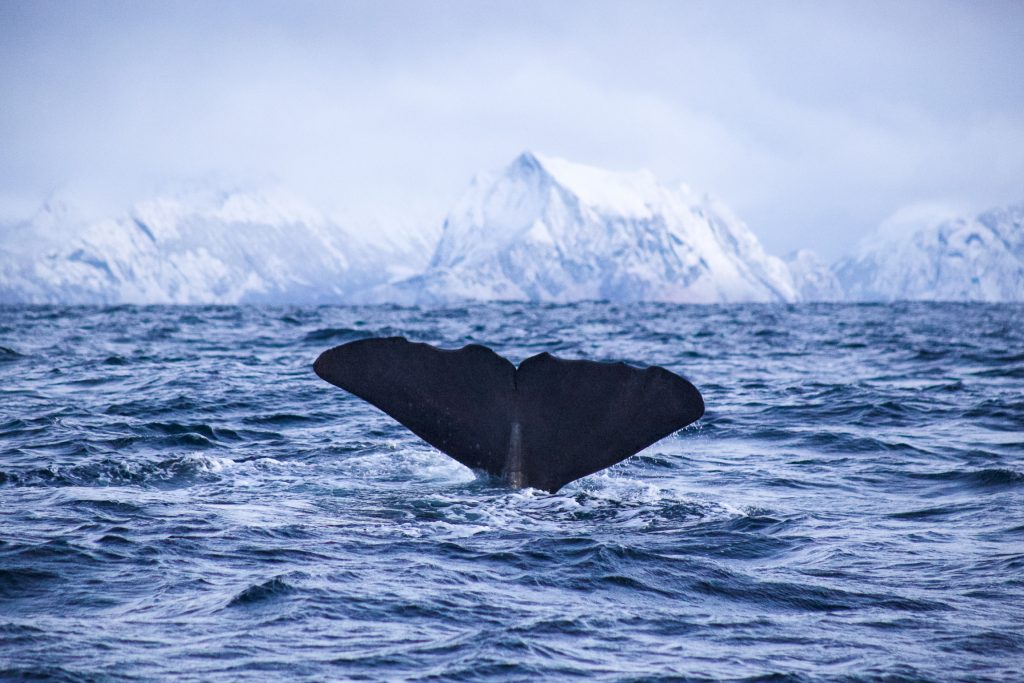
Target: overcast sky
814, 121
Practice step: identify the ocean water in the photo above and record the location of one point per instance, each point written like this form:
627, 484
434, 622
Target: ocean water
182, 498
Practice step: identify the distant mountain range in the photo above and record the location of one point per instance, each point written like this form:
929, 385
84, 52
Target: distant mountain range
543, 229
196, 247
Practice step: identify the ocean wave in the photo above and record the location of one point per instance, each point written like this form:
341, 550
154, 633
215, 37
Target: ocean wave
178, 489
108, 472
989, 478
338, 335
262, 592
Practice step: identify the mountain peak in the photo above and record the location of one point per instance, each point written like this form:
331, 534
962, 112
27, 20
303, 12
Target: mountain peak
610, 192
547, 229
527, 160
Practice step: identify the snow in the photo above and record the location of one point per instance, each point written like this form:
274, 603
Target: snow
624, 194
190, 247
974, 258
813, 278
547, 229
542, 229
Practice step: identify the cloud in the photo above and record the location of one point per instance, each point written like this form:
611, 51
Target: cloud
815, 121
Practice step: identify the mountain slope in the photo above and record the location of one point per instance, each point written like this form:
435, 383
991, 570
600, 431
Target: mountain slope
980, 258
813, 278
550, 230
197, 247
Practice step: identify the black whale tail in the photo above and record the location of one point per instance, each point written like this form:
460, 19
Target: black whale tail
544, 424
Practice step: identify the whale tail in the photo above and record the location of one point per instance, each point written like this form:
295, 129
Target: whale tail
543, 424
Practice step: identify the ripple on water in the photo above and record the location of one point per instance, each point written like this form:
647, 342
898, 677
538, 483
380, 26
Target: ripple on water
108, 472
336, 335
180, 495
262, 592
8, 355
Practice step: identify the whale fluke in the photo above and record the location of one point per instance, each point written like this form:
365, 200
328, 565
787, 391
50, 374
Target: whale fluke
544, 424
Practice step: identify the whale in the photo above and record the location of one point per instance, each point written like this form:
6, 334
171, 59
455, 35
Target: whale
541, 425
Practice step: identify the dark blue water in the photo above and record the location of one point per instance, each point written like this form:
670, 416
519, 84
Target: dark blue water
181, 498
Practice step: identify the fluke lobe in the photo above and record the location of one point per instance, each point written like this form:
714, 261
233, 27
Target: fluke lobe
543, 424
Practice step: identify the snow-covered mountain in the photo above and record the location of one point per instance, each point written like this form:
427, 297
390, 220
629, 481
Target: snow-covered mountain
549, 230
543, 229
191, 247
979, 258
813, 278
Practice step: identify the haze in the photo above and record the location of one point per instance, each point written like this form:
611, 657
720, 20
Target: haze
814, 121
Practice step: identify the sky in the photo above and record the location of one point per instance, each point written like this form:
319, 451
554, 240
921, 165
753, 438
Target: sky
814, 121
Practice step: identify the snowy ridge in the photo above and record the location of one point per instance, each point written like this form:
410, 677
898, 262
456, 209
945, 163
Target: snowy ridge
195, 247
543, 229
550, 230
979, 258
